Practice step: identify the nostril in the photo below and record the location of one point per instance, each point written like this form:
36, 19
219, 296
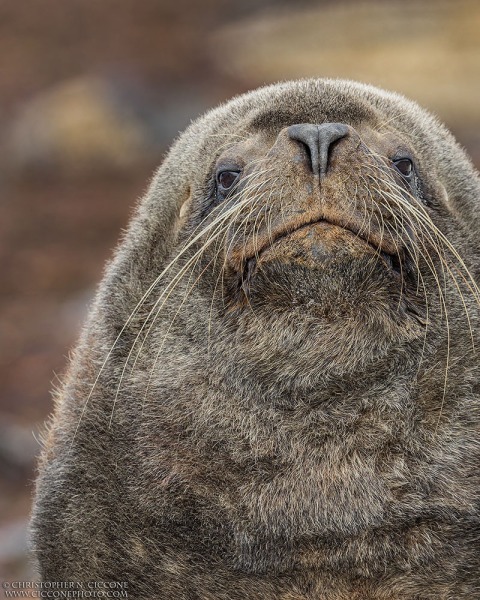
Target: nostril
308, 152
307, 135
318, 140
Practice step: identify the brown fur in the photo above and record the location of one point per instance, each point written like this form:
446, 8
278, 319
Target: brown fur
282, 428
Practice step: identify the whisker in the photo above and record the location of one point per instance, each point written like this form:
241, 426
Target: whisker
158, 354
167, 292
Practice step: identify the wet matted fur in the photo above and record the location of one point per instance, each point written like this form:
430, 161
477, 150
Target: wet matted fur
276, 394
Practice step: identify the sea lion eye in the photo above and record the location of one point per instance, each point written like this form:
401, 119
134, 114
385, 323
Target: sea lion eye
404, 166
226, 179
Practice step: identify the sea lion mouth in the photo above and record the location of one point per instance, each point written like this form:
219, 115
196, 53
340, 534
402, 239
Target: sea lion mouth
397, 263
391, 251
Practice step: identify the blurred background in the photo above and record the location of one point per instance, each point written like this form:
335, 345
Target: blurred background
92, 93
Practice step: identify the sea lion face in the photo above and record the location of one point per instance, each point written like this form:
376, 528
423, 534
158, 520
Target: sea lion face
321, 204
329, 235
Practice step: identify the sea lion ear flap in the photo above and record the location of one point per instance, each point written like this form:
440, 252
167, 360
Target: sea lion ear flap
184, 209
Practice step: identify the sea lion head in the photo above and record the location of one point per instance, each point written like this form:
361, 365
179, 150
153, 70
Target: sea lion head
318, 228
279, 371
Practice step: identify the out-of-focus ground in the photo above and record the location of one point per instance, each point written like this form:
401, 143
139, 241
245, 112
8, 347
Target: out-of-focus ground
92, 94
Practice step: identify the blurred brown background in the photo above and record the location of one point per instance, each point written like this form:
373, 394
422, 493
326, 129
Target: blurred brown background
92, 94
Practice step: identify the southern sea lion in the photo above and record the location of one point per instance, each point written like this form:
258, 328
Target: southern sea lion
276, 394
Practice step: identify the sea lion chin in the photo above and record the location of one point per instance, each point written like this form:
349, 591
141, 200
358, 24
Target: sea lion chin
277, 393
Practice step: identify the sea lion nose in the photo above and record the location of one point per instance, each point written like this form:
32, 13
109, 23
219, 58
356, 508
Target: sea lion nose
318, 140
